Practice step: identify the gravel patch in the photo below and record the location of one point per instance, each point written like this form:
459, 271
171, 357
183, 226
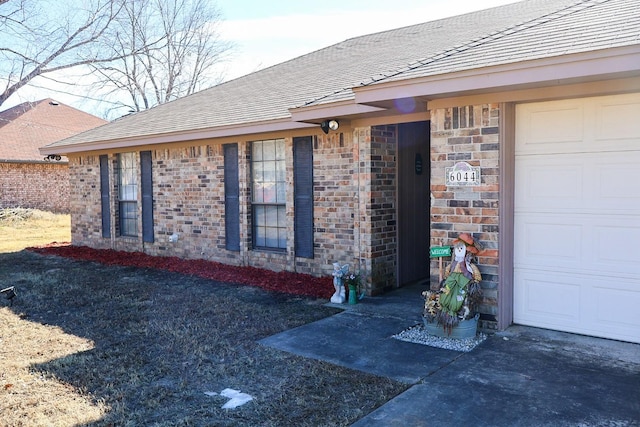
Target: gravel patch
418, 335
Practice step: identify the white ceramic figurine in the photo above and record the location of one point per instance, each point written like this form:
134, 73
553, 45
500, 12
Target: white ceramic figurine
338, 282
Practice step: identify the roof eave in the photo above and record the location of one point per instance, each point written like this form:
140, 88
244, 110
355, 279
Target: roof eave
35, 162
217, 132
586, 66
318, 112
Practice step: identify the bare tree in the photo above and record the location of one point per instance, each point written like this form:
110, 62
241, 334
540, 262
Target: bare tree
175, 45
41, 37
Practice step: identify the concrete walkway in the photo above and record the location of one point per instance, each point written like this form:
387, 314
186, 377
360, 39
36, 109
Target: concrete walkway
520, 377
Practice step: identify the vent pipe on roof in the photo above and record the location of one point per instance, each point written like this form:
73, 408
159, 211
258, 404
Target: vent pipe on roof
54, 103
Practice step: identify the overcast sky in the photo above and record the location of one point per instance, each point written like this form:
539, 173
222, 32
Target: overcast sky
269, 32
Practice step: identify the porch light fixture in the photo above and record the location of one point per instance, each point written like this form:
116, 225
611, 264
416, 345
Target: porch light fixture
52, 157
328, 125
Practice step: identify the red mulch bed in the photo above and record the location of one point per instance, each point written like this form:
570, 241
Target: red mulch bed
283, 281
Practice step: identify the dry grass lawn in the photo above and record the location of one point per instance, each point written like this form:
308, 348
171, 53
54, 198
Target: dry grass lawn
22, 228
95, 345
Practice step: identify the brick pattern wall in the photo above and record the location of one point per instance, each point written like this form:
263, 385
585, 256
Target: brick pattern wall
188, 191
354, 206
188, 187
378, 205
85, 204
468, 134
335, 201
43, 186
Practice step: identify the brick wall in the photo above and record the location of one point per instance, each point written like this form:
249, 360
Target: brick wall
378, 210
188, 191
468, 134
354, 209
84, 204
188, 186
43, 186
335, 200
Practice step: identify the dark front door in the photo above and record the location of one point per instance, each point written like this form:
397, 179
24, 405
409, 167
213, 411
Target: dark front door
413, 202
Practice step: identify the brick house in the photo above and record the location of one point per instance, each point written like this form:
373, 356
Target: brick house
539, 98
27, 178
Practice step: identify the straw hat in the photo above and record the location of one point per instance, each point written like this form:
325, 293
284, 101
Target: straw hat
472, 246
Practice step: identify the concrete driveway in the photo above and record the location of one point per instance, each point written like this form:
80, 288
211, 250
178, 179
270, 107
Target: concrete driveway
520, 377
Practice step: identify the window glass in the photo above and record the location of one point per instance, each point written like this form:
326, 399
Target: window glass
258, 196
269, 150
269, 171
272, 237
281, 172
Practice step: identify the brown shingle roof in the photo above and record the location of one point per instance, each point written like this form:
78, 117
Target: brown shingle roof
31, 125
327, 75
583, 26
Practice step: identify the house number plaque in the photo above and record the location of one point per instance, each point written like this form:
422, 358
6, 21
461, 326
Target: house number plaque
462, 174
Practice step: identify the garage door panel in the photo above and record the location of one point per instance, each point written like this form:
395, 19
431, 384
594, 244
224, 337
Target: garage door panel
577, 217
617, 120
538, 177
548, 299
553, 242
611, 243
593, 306
587, 244
617, 182
617, 306
546, 127
601, 181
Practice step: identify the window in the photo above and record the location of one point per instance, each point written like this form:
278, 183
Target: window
269, 193
127, 194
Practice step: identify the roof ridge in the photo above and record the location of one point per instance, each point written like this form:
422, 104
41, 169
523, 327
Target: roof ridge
574, 7
19, 113
17, 110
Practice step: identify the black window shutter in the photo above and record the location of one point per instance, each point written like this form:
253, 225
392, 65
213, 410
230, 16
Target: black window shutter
231, 198
303, 196
104, 196
147, 196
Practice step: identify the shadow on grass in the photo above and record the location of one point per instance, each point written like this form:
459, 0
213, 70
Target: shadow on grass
161, 340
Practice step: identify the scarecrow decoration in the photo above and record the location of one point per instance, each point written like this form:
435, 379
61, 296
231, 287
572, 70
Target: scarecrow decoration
460, 292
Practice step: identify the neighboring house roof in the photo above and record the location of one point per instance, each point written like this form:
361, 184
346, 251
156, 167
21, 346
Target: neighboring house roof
265, 100
30, 125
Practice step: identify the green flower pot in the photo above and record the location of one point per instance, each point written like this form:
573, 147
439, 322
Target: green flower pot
353, 295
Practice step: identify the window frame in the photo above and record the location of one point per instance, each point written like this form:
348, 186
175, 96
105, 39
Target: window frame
268, 191
127, 194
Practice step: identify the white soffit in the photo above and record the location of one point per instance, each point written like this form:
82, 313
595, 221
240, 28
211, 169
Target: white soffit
323, 111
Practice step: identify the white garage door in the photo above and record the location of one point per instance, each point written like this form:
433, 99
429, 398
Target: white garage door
577, 216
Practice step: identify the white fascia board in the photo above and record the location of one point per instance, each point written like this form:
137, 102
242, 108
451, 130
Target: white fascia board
589, 65
329, 110
220, 132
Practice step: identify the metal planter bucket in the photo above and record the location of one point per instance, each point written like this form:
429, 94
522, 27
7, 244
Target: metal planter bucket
464, 329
